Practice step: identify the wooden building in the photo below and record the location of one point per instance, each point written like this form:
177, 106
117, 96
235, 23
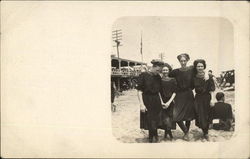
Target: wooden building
124, 71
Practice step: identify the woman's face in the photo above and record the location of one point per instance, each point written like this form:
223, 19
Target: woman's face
157, 69
165, 70
183, 61
200, 67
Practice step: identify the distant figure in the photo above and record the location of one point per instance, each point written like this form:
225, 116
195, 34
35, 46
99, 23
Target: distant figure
223, 112
124, 86
134, 83
210, 74
113, 89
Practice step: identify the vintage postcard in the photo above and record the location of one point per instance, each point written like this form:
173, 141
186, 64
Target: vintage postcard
112, 79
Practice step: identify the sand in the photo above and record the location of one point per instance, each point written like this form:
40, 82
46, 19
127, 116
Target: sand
126, 126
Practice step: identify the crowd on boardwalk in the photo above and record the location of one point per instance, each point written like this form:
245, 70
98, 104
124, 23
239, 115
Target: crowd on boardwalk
167, 99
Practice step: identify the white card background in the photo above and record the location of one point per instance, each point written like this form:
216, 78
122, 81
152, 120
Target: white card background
55, 79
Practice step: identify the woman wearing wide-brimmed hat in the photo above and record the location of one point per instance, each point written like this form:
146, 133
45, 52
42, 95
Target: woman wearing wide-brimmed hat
148, 86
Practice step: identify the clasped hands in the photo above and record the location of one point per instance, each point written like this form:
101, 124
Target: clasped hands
165, 105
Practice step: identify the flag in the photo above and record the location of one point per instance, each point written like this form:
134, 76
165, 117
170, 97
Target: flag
141, 43
141, 49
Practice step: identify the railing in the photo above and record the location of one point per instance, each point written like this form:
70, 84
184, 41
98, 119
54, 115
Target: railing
125, 72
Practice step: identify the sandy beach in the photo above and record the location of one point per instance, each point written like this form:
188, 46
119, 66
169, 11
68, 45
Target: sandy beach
126, 126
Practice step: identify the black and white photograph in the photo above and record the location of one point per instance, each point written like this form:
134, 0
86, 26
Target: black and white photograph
125, 79
172, 79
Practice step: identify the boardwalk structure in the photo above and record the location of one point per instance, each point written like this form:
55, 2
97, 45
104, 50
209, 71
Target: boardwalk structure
128, 72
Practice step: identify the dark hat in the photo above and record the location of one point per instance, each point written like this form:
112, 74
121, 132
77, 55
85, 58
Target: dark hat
157, 62
183, 55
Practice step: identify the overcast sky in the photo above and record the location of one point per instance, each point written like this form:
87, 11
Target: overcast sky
207, 38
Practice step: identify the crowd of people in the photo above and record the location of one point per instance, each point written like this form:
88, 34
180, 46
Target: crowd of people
176, 97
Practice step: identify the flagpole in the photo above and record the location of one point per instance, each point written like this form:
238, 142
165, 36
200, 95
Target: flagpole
141, 48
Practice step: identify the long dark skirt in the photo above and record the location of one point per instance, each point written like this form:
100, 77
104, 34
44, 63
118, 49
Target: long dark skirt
167, 118
202, 107
184, 106
151, 119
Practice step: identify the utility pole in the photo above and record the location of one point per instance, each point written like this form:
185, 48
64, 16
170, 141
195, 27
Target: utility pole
161, 56
117, 37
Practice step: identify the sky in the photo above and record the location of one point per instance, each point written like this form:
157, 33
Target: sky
205, 38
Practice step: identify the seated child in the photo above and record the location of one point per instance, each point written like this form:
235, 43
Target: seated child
223, 112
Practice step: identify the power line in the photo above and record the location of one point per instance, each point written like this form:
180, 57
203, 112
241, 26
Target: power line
117, 37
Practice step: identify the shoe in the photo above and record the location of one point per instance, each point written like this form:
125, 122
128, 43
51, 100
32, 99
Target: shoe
150, 140
156, 139
165, 135
170, 135
186, 137
206, 137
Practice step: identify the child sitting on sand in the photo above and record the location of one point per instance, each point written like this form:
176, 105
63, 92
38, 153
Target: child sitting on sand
223, 112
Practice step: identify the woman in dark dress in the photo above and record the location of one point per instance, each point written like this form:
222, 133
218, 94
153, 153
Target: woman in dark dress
168, 90
203, 88
184, 100
148, 86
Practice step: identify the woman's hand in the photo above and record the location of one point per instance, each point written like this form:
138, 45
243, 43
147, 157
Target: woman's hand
164, 106
143, 108
167, 104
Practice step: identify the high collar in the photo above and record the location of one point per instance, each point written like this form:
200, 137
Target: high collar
200, 75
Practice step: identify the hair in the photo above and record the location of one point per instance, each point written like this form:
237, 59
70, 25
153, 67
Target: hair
210, 71
199, 61
183, 55
168, 66
219, 95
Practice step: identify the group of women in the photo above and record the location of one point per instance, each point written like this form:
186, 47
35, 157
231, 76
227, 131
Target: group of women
166, 97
